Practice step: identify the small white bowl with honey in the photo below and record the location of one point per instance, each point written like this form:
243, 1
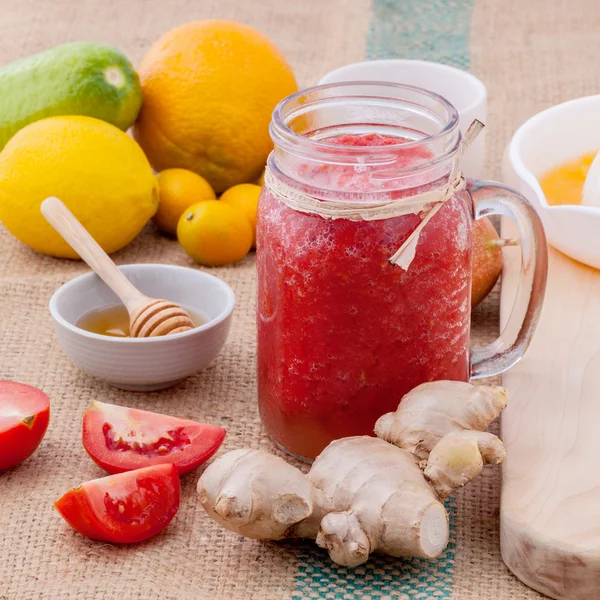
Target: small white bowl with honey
547, 160
93, 327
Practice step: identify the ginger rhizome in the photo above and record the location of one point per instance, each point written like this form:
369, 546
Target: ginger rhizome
366, 494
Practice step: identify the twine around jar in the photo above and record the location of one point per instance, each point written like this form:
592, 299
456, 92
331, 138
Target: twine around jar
430, 201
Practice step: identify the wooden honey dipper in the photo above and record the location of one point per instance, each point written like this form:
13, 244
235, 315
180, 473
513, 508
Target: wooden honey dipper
148, 317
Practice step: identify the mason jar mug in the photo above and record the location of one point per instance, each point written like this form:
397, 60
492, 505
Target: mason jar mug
364, 261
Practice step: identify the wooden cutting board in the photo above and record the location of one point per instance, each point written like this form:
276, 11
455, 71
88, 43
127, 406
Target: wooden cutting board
550, 507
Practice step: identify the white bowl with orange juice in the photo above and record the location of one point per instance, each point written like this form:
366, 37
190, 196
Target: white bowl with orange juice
548, 160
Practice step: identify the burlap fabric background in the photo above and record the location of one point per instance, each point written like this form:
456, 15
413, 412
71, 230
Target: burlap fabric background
530, 54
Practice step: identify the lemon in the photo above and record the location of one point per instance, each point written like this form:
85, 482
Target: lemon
178, 190
97, 170
214, 233
244, 197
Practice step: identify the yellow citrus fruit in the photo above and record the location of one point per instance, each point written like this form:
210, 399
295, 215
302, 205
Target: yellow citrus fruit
209, 90
178, 190
244, 197
97, 170
214, 233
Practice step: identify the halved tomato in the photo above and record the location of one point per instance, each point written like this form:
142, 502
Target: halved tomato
125, 508
121, 439
24, 416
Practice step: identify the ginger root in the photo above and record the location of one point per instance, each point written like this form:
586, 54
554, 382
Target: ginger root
433, 410
366, 494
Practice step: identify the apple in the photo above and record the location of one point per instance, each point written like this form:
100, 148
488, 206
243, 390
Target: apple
487, 260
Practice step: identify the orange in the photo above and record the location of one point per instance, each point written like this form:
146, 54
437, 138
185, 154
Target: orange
209, 90
244, 197
214, 234
178, 190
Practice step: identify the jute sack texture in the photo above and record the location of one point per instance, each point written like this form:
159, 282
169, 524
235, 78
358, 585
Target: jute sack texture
530, 55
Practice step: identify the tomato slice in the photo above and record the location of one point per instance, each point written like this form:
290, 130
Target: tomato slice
125, 508
121, 439
24, 416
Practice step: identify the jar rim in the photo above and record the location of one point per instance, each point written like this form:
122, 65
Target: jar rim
283, 135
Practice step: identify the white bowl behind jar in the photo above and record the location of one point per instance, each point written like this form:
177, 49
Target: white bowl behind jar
142, 364
463, 90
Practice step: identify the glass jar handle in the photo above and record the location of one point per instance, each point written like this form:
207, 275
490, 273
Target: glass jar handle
491, 198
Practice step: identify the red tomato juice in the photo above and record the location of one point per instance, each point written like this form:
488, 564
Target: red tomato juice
342, 333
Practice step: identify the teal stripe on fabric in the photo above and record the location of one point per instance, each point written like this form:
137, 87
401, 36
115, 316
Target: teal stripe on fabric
436, 30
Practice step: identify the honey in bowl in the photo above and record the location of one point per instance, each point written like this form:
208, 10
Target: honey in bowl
564, 184
113, 320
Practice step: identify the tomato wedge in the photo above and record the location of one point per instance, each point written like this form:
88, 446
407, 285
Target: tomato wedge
121, 439
125, 508
24, 416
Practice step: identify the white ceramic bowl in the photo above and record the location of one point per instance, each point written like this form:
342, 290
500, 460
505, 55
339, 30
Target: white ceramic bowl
461, 89
554, 136
143, 364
